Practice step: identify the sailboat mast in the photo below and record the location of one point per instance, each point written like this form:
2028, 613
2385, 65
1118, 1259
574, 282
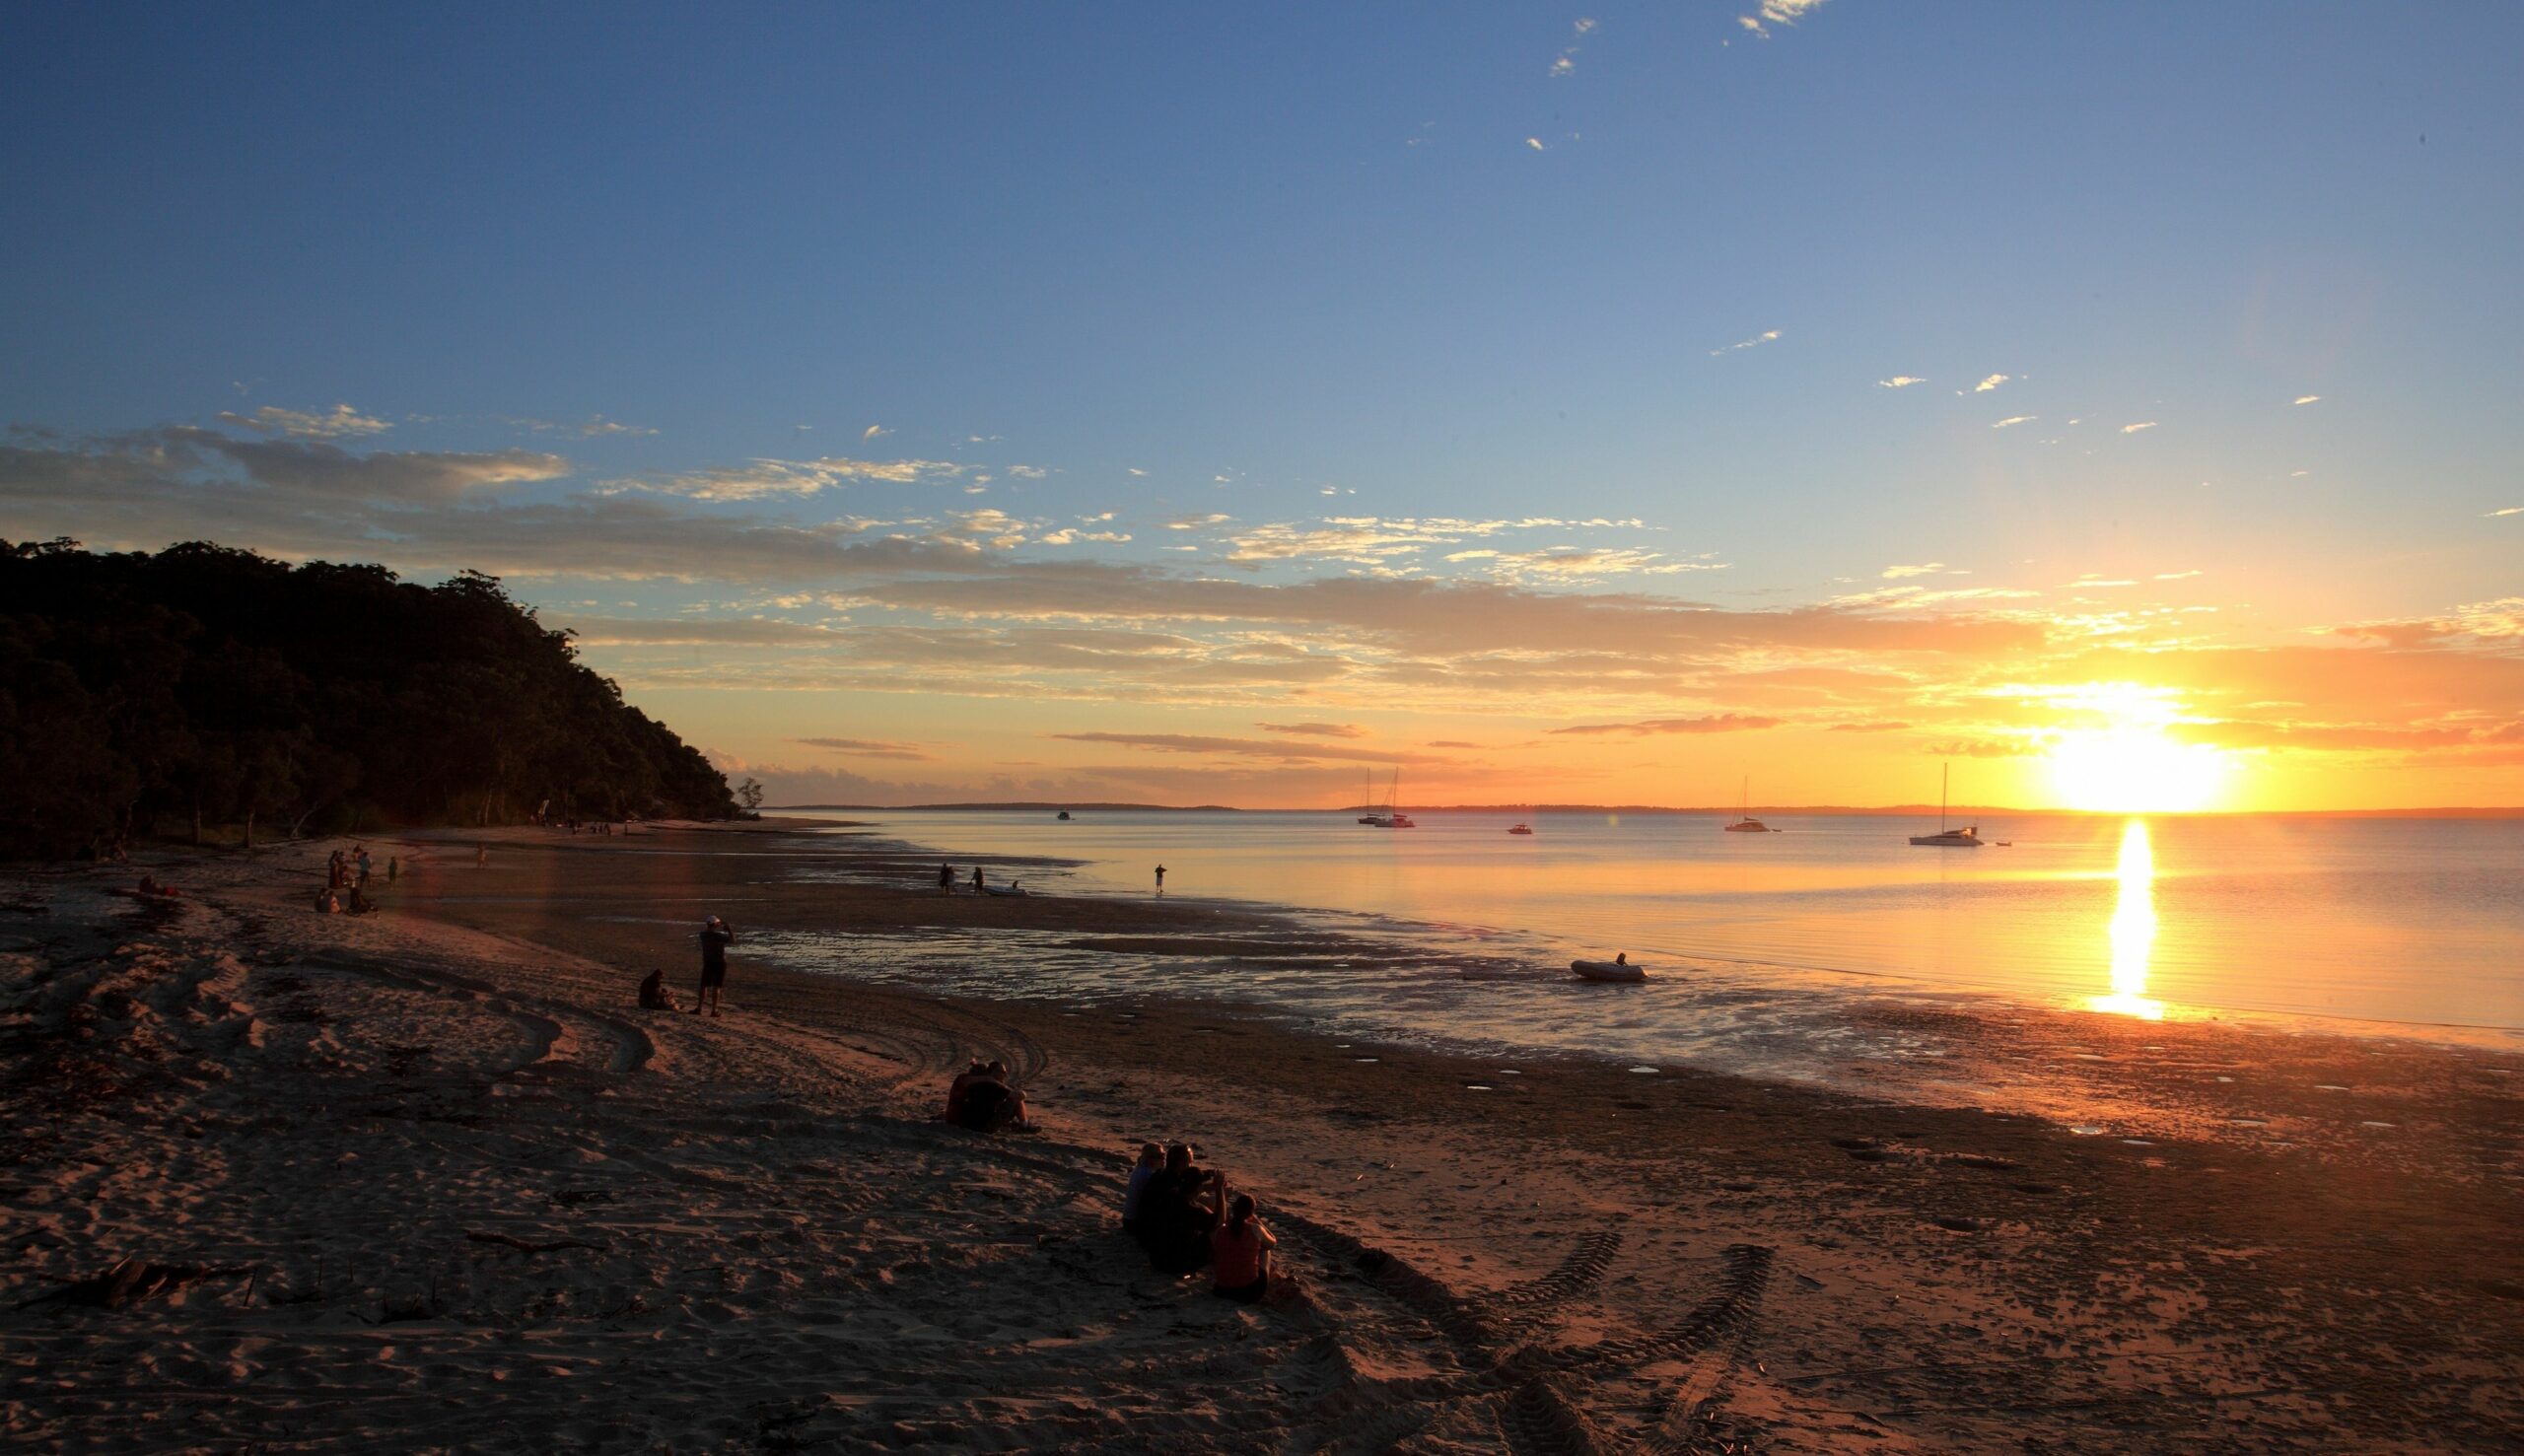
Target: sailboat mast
1945, 779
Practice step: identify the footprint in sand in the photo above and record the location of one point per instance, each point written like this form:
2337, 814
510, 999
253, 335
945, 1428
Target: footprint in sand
1953, 1224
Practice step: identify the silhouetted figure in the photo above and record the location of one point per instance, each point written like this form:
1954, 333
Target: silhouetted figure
393, 869
977, 880
1161, 879
1178, 1210
654, 995
716, 937
946, 878
1151, 1160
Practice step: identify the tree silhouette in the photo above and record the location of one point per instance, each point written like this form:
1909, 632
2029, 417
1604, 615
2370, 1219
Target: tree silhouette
216, 686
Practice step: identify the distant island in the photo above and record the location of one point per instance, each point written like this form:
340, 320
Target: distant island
207, 687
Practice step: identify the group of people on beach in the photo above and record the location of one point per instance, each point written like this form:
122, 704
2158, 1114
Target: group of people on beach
349, 871
1183, 1215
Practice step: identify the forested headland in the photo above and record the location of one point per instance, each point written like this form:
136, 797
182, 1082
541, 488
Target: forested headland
145, 694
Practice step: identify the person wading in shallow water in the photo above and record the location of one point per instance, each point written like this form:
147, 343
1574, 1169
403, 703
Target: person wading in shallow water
1161, 879
716, 936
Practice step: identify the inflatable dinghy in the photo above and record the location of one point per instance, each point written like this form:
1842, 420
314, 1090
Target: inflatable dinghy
1608, 970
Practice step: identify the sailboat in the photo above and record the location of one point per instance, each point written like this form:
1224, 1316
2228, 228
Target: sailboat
1945, 838
1394, 817
1368, 777
1747, 824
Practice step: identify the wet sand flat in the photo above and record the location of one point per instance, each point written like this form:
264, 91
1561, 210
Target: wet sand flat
427, 1178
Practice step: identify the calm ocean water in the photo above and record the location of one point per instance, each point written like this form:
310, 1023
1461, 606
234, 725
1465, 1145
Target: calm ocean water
2408, 926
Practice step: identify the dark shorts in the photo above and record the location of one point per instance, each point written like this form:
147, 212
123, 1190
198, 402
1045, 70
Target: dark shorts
1245, 1294
713, 976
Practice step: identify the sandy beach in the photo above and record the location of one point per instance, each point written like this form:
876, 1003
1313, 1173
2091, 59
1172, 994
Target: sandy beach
427, 1180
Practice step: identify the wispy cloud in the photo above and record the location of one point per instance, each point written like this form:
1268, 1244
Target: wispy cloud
2177, 575
2134, 428
338, 423
1928, 569
1277, 749
762, 478
1317, 730
874, 430
1535, 142
1756, 341
1776, 12
1715, 723
2310, 399
869, 748
1901, 382
1196, 523
1990, 383
2508, 510
2013, 420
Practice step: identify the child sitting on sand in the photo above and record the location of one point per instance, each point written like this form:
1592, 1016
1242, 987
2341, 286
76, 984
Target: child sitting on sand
654, 995
1240, 1254
1151, 1158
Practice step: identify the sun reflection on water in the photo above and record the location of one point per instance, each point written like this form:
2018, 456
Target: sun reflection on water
2132, 930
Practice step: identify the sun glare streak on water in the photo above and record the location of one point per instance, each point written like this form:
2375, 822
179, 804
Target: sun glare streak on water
2133, 929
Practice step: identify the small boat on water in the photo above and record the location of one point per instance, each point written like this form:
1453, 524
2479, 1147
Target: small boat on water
1620, 970
1063, 814
1746, 822
1011, 889
1945, 838
1520, 827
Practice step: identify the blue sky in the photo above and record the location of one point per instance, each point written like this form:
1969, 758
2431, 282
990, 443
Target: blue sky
1380, 289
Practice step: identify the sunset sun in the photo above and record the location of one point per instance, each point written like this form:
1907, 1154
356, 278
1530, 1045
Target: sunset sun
2130, 763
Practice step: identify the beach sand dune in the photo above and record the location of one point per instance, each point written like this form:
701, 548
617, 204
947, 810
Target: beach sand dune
421, 1180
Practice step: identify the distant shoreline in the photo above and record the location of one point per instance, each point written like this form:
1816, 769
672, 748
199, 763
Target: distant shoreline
1828, 810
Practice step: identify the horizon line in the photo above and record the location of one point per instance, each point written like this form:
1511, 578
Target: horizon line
2438, 811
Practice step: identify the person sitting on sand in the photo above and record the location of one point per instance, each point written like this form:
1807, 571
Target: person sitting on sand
716, 937
654, 995
956, 1091
360, 903
1178, 1210
989, 1103
1240, 1254
1151, 1158
326, 902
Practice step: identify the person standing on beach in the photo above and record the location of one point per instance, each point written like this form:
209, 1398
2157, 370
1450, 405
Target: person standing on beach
481, 856
362, 861
716, 936
977, 880
1161, 879
946, 878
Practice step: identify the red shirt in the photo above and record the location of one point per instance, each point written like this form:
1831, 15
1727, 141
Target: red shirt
1236, 1257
